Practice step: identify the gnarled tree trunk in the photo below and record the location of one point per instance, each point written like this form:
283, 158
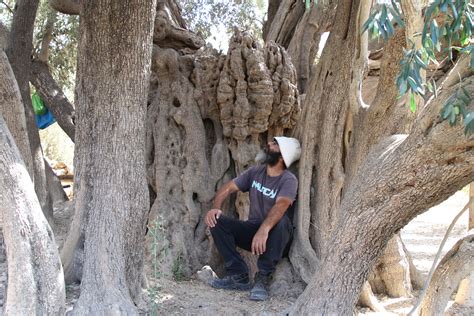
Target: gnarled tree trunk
392, 273
385, 194
216, 110
465, 293
299, 31
19, 51
454, 266
338, 132
11, 107
35, 275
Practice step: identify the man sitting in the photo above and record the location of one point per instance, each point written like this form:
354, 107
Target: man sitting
268, 230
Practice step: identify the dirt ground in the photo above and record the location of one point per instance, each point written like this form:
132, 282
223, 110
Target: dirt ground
193, 297
422, 238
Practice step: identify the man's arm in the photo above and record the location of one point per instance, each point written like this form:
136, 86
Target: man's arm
275, 214
222, 194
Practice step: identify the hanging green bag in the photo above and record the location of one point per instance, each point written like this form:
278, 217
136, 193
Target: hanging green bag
38, 105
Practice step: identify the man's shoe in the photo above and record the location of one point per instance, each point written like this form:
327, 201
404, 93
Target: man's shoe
259, 291
238, 282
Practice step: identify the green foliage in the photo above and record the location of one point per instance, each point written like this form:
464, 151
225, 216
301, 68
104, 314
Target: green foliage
455, 33
178, 268
205, 17
456, 106
63, 56
63, 45
381, 20
6, 12
457, 28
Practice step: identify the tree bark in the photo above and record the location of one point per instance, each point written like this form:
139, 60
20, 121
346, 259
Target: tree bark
174, 12
273, 6
216, 109
387, 192
43, 54
322, 159
454, 266
361, 128
4, 35
54, 97
393, 271
465, 293
416, 278
414, 22
187, 162
367, 298
167, 34
19, 53
283, 23
71, 7
35, 275
110, 181
55, 187
11, 107
304, 43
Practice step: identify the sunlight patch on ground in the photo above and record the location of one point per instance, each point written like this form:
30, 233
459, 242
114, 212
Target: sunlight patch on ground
165, 297
423, 235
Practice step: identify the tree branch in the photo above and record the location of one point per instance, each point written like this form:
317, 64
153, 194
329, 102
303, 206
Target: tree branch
273, 6
7, 6
305, 41
71, 7
12, 109
459, 76
19, 52
172, 8
401, 178
385, 116
51, 93
167, 35
284, 23
454, 266
360, 60
4, 35
43, 54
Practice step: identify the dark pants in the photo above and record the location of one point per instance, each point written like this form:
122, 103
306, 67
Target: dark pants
229, 233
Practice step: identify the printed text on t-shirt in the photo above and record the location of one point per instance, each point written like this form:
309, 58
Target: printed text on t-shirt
265, 191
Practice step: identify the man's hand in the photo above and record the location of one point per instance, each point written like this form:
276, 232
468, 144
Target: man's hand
212, 217
259, 242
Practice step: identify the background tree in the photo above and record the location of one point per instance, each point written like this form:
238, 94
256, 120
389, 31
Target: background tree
211, 17
111, 198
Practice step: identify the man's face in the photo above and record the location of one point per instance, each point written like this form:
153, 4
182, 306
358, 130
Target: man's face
273, 154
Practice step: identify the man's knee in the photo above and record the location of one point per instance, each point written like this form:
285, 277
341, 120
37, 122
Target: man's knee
223, 224
281, 232
283, 226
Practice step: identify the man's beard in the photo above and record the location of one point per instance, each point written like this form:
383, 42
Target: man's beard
268, 157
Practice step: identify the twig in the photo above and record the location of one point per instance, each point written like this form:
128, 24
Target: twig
438, 254
7, 6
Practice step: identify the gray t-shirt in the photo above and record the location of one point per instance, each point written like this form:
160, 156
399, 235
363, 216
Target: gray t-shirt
264, 190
